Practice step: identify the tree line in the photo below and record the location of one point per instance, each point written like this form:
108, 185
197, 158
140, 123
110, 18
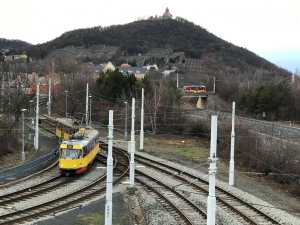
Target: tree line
273, 101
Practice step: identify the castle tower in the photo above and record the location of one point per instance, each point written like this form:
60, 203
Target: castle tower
167, 14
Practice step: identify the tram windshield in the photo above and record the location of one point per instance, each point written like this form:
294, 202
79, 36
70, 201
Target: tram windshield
69, 154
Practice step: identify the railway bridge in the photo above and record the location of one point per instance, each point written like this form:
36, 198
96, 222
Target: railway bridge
203, 98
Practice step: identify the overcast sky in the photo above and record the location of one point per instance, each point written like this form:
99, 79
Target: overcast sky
269, 28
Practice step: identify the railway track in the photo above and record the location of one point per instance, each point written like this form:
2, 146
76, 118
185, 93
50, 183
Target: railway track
25, 208
183, 209
246, 213
187, 210
53, 182
233, 205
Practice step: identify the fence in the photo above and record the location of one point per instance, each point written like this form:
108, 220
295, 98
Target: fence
26, 169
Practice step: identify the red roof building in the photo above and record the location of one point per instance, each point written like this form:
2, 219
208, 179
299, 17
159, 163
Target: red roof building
125, 65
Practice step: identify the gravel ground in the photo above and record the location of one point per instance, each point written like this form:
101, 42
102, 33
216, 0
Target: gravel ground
144, 209
268, 199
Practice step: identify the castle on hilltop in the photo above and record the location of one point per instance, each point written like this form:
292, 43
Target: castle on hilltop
166, 15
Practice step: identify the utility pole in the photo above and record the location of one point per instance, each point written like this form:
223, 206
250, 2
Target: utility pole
142, 123
125, 133
49, 101
231, 164
132, 143
90, 97
109, 177
177, 78
50, 87
9, 100
23, 131
214, 85
66, 103
87, 105
211, 198
36, 137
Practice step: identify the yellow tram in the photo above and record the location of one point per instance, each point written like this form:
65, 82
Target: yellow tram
78, 153
66, 127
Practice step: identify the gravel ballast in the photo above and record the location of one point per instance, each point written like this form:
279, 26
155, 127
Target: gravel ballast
256, 193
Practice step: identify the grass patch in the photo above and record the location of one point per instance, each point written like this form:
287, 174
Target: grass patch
173, 147
195, 153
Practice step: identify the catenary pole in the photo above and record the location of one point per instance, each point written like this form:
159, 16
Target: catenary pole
66, 103
231, 163
142, 123
49, 101
132, 144
211, 198
109, 178
9, 101
90, 98
36, 137
87, 105
214, 91
125, 134
23, 142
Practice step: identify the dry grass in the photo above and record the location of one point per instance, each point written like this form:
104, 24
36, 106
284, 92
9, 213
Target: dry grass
14, 159
176, 148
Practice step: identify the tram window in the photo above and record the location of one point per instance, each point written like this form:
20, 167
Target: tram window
65, 153
75, 154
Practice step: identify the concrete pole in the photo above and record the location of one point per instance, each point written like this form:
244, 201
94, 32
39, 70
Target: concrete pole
211, 199
90, 97
2, 90
87, 105
142, 123
132, 142
23, 142
109, 177
231, 164
214, 85
49, 101
9, 101
125, 134
66, 103
177, 80
36, 138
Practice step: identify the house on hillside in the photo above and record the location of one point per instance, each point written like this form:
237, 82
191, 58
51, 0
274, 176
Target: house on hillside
101, 68
139, 72
125, 65
15, 57
167, 72
44, 86
151, 66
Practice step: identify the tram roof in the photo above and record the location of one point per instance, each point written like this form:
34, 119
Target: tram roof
82, 137
69, 122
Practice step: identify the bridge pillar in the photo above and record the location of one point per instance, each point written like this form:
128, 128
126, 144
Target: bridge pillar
201, 103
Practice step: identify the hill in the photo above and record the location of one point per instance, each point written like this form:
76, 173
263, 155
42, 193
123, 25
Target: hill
7, 45
166, 42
